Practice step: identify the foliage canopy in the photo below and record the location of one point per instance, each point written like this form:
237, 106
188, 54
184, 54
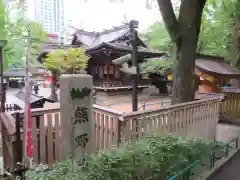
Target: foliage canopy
76, 59
54, 60
70, 60
157, 66
15, 26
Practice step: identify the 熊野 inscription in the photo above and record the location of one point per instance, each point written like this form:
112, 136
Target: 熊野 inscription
76, 114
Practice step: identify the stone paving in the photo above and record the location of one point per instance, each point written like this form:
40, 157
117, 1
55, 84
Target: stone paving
148, 104
124, 103
230, 171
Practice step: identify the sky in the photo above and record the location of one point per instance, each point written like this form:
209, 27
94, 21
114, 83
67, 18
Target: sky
96, 15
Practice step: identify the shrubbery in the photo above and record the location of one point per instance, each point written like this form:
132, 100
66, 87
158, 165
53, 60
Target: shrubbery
152, 158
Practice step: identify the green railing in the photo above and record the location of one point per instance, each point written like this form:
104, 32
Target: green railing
207, 162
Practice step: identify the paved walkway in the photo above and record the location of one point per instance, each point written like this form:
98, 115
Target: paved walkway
230, 171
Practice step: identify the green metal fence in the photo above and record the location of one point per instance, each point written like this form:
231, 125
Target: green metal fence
207, 161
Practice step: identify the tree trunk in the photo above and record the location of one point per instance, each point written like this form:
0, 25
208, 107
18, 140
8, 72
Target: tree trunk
236, 43
184, 33
54, 95
236, 39
183, 87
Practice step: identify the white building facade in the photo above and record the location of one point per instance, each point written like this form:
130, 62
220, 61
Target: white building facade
50, 13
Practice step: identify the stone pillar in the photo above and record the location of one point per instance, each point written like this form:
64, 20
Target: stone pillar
76, 114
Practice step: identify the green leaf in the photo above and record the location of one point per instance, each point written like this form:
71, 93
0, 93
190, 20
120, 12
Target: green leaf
155, 66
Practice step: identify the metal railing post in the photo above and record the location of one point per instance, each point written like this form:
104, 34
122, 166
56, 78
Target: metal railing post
237, 143
227, 150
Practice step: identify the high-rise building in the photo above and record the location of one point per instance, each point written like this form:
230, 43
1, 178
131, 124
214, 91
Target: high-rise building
50, 13
69, 30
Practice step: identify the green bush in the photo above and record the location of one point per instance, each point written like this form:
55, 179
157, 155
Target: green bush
152, 158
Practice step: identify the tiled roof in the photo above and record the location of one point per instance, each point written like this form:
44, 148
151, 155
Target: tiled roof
93, 39
50, 46
33, 98
216, 66
116, 37
125, 48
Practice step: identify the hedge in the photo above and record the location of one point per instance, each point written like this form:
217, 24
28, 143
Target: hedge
151, 158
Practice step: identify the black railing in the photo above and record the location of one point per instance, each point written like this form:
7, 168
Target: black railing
207, 161
12, 107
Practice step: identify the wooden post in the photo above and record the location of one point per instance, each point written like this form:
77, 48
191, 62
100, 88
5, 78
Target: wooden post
18, 138
3, 92
76, 115
134, 24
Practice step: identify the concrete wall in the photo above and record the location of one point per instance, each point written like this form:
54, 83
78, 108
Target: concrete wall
226, 132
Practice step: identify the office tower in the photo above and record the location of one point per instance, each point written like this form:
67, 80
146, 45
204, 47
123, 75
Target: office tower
50, 13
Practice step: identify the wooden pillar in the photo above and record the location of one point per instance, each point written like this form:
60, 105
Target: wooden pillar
97, 70
4, 148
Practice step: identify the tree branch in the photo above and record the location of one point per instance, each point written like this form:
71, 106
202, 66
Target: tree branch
169, 18
199, 14
191, 12
200, 47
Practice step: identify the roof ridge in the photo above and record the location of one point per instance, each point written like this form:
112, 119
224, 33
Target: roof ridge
209, 56
106, 31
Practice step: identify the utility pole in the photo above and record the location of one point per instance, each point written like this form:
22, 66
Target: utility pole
133, 25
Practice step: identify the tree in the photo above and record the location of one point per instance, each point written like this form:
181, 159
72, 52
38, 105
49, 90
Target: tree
233, 14
15, 26
54, 63
184, 33
76, 60
229, 18
18, 42
59, 61
3, 34
37, 38
157, 37
216, 28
